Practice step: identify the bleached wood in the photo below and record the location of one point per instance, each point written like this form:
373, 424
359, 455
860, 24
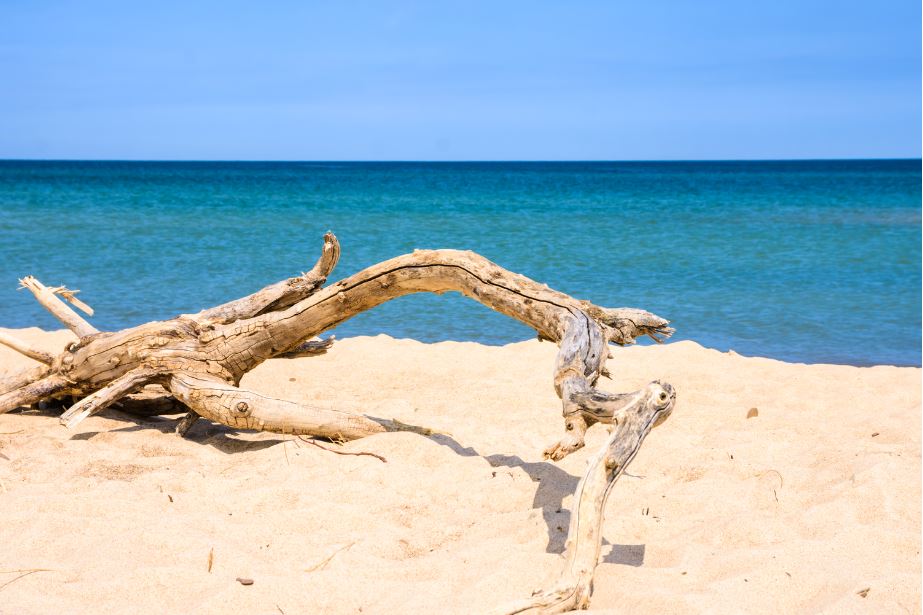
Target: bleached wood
30, 388
107, 395
641, 413
26, 349
279, 295
439, 271
215, 399
60, 310
227, 342
71, 297
194, 364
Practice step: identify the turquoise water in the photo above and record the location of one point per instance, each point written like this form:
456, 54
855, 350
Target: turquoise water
815, 261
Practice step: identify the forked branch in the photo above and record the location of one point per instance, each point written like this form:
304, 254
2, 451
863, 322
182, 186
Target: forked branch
280, 295
647, 409
60, 310
194, 364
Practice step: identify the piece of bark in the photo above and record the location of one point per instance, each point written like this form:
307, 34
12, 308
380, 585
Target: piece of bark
185, 423
310, 348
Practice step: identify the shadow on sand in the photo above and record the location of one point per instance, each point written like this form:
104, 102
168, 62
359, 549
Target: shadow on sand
203, 432
554, 484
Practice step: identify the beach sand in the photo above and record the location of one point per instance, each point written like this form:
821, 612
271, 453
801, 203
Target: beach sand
798, 509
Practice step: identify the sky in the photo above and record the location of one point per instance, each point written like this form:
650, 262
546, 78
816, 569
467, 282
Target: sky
536, 80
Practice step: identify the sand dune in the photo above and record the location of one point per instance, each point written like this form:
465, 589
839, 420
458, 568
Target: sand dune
795, 510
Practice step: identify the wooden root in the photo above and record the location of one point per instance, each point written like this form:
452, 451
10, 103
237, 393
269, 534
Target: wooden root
641, 412
194, 363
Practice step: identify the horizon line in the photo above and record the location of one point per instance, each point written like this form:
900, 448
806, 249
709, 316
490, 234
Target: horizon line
460, 160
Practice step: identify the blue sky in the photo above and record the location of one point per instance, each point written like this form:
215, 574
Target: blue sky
472, 81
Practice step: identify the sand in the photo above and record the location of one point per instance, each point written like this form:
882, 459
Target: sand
798, 509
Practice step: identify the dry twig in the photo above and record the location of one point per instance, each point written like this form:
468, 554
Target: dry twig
331, 450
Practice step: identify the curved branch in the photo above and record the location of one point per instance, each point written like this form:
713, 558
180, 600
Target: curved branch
200, 358
200, 346
330, 256
436, 271
651, 407
280, 295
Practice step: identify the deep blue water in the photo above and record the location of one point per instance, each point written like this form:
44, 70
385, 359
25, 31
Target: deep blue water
813, 261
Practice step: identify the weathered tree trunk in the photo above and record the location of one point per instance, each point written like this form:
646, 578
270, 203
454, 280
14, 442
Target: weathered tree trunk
650, 407
194, 364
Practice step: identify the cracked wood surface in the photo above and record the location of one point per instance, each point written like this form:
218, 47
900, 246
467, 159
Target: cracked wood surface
194, 364
279, 319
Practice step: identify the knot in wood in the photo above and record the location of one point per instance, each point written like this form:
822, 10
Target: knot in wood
242, 407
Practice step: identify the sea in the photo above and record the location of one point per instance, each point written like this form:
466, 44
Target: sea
803, 261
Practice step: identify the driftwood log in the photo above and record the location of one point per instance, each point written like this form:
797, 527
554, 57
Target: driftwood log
194, 363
